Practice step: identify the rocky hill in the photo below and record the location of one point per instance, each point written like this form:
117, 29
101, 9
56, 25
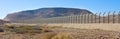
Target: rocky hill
45, 13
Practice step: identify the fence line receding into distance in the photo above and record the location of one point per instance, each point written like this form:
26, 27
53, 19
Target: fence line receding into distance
106, 17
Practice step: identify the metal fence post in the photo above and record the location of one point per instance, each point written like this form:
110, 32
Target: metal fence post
71, 19
88, 18
108, 16
95, 17
91, 18
84, 18
119, 17
76, 19
99, 17
104, 17
64, 20
81, 18
113, 17
67, 19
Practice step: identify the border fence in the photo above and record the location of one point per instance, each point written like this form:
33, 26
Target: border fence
106, 17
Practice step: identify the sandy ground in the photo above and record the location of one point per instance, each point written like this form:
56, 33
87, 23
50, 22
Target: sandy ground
75, 33
113, 27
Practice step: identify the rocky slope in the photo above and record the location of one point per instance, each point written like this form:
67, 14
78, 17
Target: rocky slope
45, 13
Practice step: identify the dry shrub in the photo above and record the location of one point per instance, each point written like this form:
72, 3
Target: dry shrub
62, 36
15, 37
52, 35
1, 30
47, 35
51, 27
55, 26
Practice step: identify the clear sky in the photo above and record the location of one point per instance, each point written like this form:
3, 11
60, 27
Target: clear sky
10, 6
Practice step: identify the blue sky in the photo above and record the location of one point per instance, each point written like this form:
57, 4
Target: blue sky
10, 6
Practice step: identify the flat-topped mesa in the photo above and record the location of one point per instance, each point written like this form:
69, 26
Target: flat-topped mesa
45, 13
